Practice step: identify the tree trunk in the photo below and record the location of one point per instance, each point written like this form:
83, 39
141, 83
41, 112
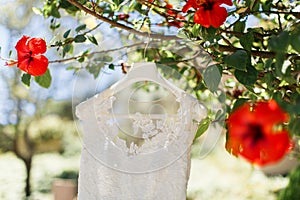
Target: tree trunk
28, 163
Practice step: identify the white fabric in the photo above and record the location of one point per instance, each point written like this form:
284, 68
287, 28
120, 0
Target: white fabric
155, 167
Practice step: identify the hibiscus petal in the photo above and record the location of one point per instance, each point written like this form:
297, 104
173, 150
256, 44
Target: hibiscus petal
269, 113
202, 17
241, 116
186, 7
214, 17
22, 44
269, 150
278, 145
24, 64
38, 66
22, 55
37, 45
192, 4
228, 2
233, 146
250, 152
217, 16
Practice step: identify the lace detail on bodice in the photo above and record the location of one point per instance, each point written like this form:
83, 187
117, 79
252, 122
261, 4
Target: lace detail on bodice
154, 131
137, 142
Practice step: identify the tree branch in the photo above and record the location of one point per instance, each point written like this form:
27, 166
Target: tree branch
96, 52
121, 26
262, 54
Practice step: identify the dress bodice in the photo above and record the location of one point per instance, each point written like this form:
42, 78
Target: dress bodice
136, 155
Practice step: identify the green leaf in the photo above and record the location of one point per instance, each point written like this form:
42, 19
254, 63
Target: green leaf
291, 191
255, 7
70, 67
66, 34
85, 52
204, 124
26, 79
269, 80
67, 48
212, 77
295, 38
92, 39
268, 64
111, 66
238, 60
44, 80
95, 69
277, 96
81, 27
71, 9
238, 103
246, 40
54, 11
81, 59
107, 58
80, 38
196, 30
54, 25
239, 26
279, 43
209, 34
248, 77
267, 6
294, 107
116, 2
280, 58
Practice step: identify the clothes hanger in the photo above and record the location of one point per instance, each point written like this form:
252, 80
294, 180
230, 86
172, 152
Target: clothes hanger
146, 71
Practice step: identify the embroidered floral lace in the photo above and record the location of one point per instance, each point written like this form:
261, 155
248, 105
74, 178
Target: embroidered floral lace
146, 159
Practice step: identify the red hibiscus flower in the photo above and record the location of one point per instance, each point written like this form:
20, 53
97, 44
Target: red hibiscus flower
254, 133
209, 12
30, 58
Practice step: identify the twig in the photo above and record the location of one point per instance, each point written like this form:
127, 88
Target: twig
96, 52
262, 54
121, 26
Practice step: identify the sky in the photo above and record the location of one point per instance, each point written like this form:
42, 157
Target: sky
65, 84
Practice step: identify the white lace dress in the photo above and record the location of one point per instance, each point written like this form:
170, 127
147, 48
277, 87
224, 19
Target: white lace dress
152, 164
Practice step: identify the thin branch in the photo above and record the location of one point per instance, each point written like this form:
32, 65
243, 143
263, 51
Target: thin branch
295, 14
262, 54
239, 34
227, 41
121, 26
279, 22
96, 52
183, 60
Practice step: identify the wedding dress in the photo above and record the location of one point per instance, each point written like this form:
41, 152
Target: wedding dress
135, 150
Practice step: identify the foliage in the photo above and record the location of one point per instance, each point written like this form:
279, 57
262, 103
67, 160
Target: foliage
292, 191
68, 174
